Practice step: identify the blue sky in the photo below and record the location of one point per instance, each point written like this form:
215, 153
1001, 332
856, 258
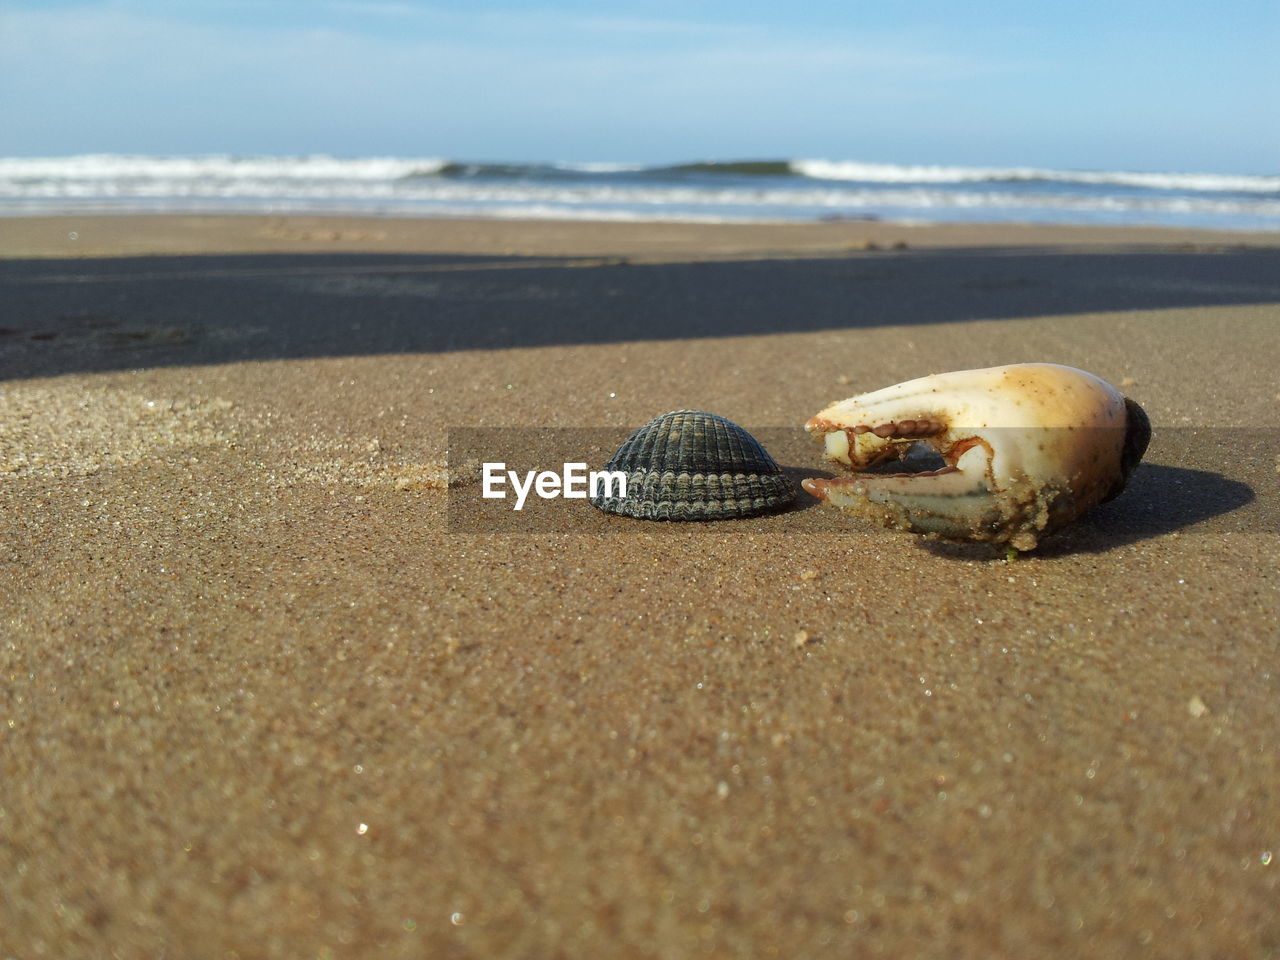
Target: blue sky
1172, 86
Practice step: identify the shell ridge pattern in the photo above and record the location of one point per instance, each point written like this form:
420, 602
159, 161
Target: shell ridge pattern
692, 465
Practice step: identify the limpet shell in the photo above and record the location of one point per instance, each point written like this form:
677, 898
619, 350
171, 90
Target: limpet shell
694, 465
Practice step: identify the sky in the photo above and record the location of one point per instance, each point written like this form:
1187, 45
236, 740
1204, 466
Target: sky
1179, 85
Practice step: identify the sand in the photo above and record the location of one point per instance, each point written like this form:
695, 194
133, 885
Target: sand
270, 687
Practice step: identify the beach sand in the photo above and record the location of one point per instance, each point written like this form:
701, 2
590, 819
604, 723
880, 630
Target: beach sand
270, 688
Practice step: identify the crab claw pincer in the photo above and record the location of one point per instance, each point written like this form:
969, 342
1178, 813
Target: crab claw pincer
1025, 449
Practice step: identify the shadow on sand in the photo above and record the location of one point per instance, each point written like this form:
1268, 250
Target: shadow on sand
87, 315
1159, 500
92, 315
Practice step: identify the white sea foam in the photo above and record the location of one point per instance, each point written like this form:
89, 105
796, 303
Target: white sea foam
429, 190
111, 166
895, 173
435, 187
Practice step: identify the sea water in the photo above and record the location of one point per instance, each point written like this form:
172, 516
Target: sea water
738, 191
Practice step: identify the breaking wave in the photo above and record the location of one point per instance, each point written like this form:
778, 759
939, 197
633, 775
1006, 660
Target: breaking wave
704, 190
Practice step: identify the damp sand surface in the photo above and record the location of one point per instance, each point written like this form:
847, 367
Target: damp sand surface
271, 687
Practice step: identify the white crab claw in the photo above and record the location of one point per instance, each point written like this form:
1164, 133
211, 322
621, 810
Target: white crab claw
1026, 448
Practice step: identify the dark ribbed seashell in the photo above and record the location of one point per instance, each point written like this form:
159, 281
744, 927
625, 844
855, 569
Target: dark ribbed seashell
692, 465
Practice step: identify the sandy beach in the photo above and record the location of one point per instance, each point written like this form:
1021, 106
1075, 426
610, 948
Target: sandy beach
268, 690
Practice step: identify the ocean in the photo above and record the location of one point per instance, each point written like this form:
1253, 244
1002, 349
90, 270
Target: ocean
730, 191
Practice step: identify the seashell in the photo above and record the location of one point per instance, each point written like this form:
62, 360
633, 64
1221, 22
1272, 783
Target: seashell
1026, 449
693, 465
